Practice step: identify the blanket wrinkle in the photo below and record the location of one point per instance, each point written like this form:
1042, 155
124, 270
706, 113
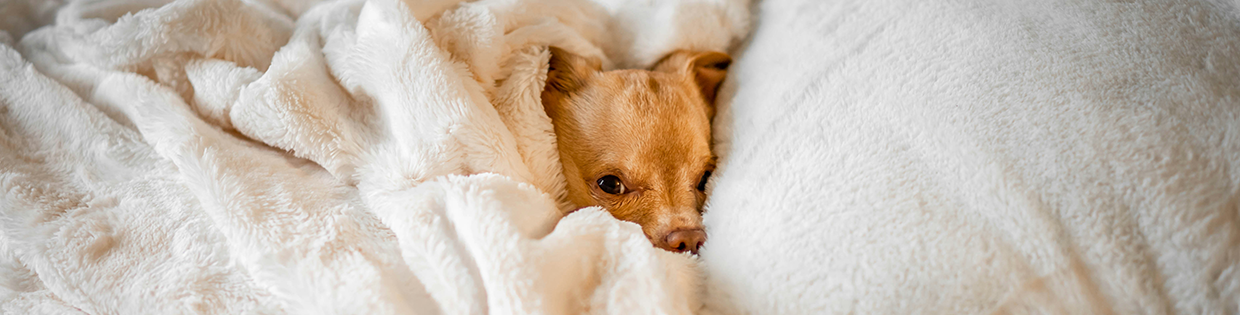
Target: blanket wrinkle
306, 157
122, 169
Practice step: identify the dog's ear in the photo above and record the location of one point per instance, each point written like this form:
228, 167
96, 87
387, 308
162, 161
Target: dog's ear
708, 69
567, 71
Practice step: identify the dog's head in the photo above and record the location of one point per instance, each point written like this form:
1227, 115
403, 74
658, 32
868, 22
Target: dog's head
637, 142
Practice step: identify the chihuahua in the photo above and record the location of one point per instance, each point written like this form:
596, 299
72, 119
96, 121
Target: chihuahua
638, 142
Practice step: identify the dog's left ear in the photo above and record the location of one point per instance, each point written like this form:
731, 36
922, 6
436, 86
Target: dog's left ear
708, 69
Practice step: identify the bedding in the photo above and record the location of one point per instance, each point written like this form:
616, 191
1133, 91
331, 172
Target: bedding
966, 157
307, 157
954, 156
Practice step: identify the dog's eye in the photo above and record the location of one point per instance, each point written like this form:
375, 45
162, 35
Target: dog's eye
702, 182
611, 184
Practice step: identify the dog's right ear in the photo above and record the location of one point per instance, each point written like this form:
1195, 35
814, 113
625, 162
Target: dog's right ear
567, 71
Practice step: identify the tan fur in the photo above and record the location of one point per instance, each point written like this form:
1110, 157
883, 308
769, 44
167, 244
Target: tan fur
650, 128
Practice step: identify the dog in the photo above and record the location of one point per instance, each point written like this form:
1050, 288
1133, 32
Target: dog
638, 142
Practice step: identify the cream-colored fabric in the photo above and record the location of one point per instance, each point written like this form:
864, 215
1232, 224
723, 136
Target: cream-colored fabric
966, 157
285, 157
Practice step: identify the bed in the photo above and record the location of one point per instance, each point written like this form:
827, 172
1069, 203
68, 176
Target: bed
997, 157
1066, 157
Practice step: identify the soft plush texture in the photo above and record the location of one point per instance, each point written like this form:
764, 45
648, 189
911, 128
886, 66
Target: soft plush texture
902, 156
964, 157
309, 157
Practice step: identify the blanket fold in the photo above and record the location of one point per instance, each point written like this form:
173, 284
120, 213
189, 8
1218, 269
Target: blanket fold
377, 157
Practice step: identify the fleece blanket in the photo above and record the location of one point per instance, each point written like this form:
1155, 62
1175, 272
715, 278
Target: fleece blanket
317, 157
980, 157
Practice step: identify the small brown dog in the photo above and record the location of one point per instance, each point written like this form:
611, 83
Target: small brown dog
637, 142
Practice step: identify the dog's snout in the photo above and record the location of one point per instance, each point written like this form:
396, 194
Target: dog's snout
684, 240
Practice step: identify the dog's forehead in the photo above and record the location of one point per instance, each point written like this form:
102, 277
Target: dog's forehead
650, 94
651, 123
661, 110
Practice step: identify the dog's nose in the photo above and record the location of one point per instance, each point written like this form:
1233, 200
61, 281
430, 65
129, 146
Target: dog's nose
684, 240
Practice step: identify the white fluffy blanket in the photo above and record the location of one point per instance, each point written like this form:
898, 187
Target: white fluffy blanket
297, 157
980, 156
